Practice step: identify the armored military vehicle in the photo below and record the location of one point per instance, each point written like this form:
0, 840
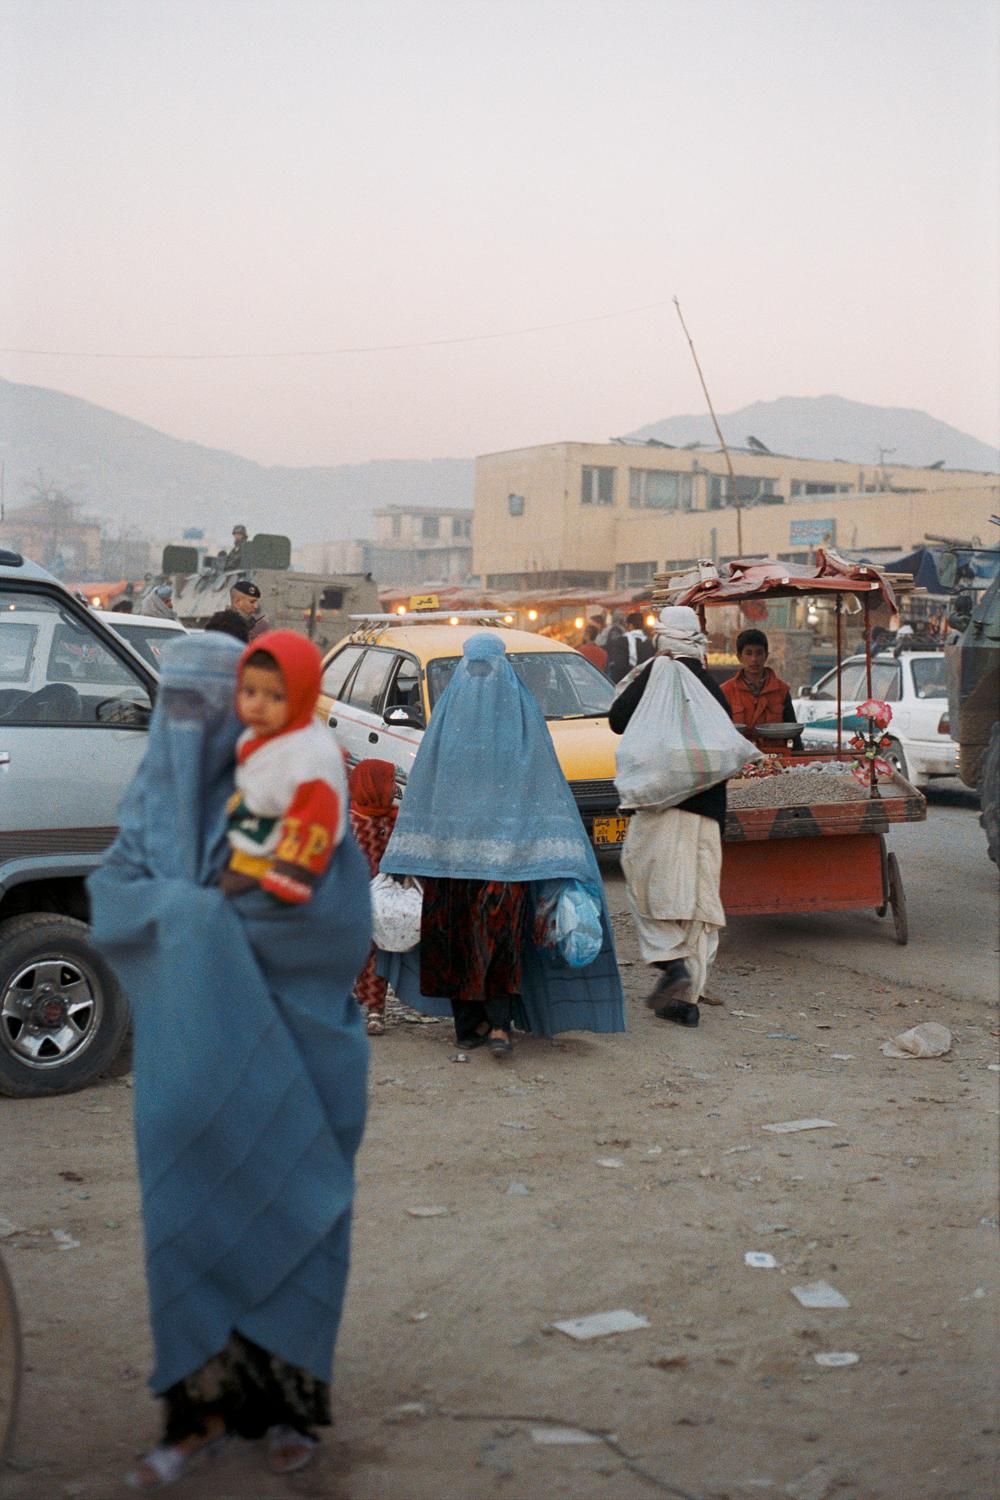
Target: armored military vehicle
974, 705
317, 605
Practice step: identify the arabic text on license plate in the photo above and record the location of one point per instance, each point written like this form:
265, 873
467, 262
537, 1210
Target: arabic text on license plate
610, 831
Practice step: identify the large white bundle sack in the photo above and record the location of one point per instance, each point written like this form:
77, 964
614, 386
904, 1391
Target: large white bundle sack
678, 742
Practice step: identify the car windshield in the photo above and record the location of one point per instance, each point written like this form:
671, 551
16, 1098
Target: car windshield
929, 679
563, 684
148, 640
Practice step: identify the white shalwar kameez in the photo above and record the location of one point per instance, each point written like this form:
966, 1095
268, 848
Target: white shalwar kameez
672, 862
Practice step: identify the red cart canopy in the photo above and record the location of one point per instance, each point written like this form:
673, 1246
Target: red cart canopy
760, 578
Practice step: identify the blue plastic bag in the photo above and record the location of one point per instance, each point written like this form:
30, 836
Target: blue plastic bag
568, 921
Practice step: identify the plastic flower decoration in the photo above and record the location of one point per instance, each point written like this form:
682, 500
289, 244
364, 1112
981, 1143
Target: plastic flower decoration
874, 708
870, 743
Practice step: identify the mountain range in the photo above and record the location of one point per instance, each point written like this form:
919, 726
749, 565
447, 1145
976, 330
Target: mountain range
132, 475
832, 427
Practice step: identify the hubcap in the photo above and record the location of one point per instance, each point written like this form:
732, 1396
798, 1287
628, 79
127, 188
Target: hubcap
50, 1011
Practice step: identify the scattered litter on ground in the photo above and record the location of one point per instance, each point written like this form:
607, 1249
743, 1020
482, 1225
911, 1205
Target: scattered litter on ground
975, 1296
64, 1240
836, 1359
710, 999
990, 1222
749, 1015
599, 1325
789, 1127
71, 1176
782, 1036
517, 1190
842, 1056
929, 1039
418, 1317
410, 1411
564, 1435
432, 1211
819, 1294
815, 1485
609, 1161
760, 1259
654, 1150
461, 1057
669, 1362
736, 1150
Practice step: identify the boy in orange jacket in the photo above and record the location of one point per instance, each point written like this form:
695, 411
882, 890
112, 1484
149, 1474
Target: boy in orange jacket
757, 695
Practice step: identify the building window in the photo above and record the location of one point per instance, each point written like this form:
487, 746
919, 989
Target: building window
749, 488
597, 486
461, 526
397, 527
658, 489
628, 575
802, 488
430, 528
515, 505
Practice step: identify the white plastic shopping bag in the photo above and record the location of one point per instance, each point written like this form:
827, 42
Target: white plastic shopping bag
396, 909
678, 742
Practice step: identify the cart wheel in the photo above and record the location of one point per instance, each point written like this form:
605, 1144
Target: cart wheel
897, 900
10, 1361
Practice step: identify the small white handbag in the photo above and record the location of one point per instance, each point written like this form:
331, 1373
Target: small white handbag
396, 908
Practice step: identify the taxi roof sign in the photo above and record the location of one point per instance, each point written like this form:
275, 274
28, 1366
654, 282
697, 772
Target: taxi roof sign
424, 601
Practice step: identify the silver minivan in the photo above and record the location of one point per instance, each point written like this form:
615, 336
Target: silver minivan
75, 703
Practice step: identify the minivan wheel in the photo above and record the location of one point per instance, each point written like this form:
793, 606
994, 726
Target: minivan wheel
896, 756
63, 1015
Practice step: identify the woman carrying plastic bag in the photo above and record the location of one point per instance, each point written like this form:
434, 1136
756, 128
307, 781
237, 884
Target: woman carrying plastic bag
678, 749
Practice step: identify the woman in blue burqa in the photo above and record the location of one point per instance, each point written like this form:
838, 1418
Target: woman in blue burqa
487, 818
250, 1087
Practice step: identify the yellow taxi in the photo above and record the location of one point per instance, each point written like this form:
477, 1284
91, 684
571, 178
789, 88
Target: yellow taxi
381, 683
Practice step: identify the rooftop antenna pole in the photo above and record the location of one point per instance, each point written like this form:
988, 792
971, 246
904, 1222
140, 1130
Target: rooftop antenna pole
718, 433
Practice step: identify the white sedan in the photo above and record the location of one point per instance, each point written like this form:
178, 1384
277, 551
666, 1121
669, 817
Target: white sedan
914, 685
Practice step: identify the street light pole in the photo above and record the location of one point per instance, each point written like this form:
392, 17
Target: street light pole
718, 433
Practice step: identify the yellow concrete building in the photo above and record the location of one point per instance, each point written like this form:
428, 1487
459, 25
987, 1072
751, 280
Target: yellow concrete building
613, 514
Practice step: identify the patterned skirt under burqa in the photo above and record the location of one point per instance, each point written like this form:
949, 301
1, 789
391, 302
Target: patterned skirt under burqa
487, 816
250, 1075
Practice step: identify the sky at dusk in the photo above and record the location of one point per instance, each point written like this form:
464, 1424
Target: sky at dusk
815, 179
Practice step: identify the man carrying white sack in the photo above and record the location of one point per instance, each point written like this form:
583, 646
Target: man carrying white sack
678, 748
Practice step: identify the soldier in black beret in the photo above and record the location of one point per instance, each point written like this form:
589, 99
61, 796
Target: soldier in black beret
244, 598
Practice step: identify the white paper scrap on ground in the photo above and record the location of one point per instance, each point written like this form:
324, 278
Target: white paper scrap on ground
788, 1127
930, 1039
562, 1435
836, 1359
761, 1259
432, 1211
609, 1161
599, 1325
819, 1294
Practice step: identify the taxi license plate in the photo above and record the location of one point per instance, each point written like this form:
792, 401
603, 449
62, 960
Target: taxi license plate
609, 833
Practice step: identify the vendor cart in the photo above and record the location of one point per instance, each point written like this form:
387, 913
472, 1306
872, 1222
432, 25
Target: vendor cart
811, 855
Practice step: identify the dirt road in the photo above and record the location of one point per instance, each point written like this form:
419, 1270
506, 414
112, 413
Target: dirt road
603, 1173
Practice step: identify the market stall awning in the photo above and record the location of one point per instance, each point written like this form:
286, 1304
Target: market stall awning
769, 578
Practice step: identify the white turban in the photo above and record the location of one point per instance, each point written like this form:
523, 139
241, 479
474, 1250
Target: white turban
679, 633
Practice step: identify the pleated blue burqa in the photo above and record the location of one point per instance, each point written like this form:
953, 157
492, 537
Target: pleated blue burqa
250, 1055
487, 800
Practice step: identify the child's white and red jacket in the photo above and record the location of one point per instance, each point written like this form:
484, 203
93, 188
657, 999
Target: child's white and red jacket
290, 808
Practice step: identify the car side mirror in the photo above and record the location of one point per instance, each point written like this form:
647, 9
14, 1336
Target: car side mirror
404, 718
805, 691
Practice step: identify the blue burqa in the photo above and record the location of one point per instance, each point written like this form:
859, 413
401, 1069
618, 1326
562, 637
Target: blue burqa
487, 800
250, 1056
